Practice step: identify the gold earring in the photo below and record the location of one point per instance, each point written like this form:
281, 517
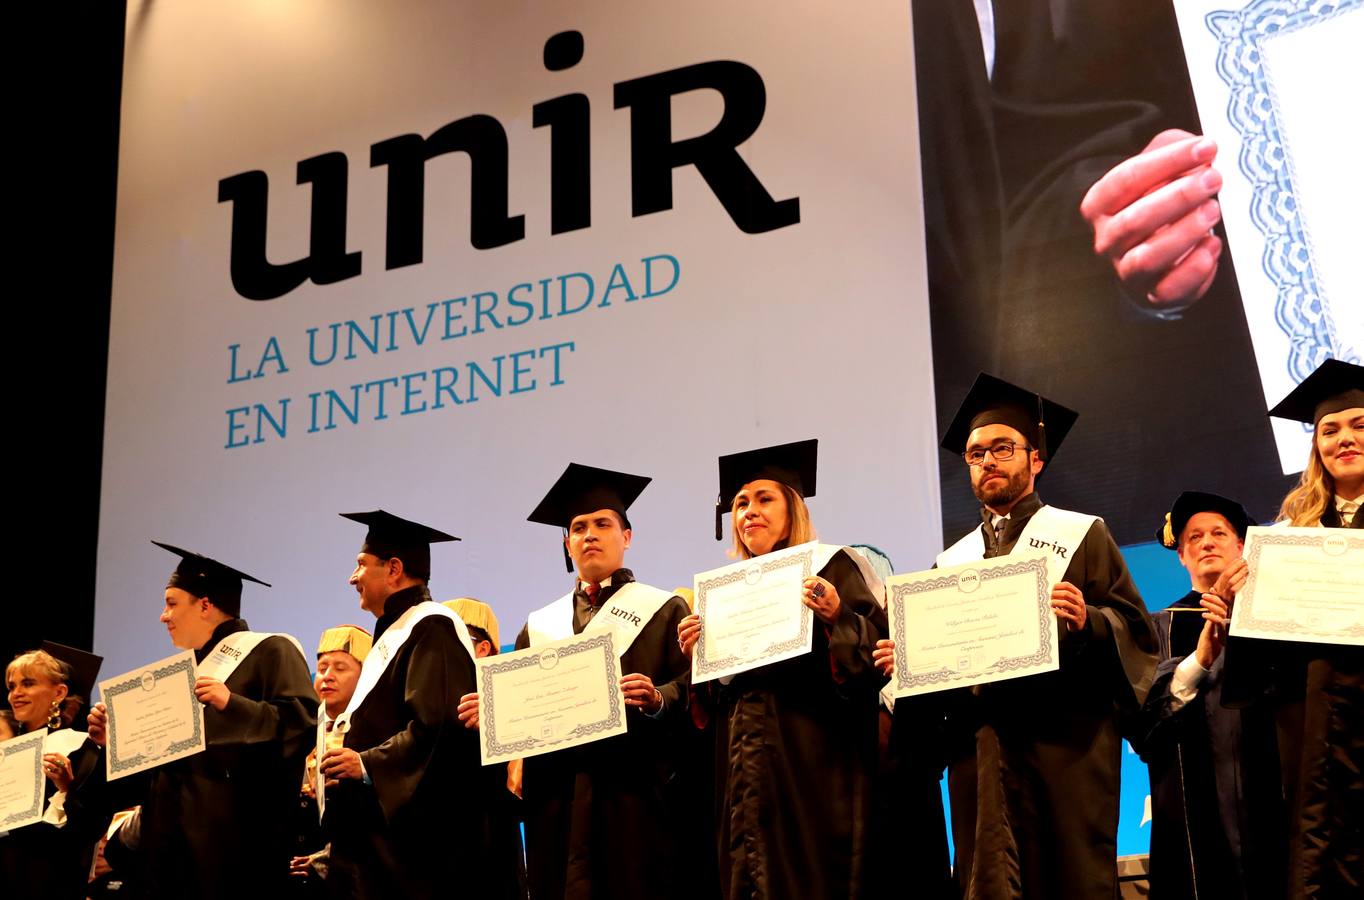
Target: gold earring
54, 716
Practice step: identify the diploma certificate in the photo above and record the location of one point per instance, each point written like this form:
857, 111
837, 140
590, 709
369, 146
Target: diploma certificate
549, 697
752, 614
21, 780
1305, 584
154, 717
971, 624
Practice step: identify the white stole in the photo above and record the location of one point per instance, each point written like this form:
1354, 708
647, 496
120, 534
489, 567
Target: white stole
223, 660
626, 614
1050, 528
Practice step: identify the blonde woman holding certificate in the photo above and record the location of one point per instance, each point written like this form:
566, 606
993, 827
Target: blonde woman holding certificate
796, 740
1316, 690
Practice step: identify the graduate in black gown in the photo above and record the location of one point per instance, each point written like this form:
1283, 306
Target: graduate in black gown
603, 819
396, 796
796, 740
220, 823
1216, 806
1035, 762
1316, 690
50, 858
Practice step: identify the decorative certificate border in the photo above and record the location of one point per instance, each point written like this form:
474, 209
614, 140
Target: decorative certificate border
1037, 566
599, 642
1291, 629
183, 666
27, 743
1301, 308
703, 667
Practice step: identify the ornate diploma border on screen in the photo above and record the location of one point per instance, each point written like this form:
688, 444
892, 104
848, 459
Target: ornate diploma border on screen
28, 743
1037, 566
1292, 630
182, 667
805, 560
1301, 309
601, 643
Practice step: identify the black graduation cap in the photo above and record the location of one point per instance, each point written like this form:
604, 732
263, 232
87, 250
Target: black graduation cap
584, 489
994, 401
391, 536
84, 667
793, 465
1191, 503
204, 577
1334, 385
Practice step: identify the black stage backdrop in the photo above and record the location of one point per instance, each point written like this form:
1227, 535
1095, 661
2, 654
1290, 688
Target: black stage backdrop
64, 164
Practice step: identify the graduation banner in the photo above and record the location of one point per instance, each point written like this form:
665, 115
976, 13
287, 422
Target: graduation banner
411, 256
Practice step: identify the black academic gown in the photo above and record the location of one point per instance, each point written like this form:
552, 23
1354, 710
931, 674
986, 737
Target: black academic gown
1035, 762
1317, 694
43, 860
417, 828
1216, 807
603, 820
796, 756
220, 823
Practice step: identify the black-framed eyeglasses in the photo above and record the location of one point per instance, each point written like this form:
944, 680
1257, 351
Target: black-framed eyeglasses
1000, 450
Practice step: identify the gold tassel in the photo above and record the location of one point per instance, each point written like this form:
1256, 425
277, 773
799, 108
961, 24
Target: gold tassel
1169, 535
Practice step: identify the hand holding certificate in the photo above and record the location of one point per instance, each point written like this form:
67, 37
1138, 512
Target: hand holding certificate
1305, 584
752, 613
154, 716
971, 624
22, 786
548, 697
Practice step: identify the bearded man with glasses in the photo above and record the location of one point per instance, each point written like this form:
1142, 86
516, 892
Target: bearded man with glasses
1034, 763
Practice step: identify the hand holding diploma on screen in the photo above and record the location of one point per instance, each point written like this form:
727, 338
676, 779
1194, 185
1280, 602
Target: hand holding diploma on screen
1153, 215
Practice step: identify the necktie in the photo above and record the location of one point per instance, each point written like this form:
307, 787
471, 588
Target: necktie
1347, 513
592, 591
999, 533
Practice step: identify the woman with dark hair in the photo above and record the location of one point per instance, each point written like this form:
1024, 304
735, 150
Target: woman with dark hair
51, 858
1316, 690
796, 741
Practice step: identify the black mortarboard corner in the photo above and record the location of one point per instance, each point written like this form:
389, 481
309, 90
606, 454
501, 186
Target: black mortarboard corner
208, 578
1335, 385
1191, 503
994, 401
84, 668
390, 536
793, 465
584, 489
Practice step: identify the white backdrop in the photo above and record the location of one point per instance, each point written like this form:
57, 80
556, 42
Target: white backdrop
816, 329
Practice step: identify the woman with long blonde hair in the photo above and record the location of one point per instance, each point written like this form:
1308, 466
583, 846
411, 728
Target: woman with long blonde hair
796, 740
1316, 690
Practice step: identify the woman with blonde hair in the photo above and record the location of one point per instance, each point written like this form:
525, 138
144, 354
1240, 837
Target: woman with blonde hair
1316, 690
796, 741
50, 858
